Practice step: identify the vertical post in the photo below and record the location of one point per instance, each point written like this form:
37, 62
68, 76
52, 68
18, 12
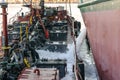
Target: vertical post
20, 33
81, 1
27, 32
4, 26
41, 4
70, 7
66, 3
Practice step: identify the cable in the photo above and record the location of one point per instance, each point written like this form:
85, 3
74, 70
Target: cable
70, 7
76, 57
66, 4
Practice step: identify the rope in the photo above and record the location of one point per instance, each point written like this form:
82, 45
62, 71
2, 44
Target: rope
74, 41
71, 21
76, 58
66, 4
42, 24
70, 7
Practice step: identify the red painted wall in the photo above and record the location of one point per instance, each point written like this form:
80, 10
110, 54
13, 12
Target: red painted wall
103, 30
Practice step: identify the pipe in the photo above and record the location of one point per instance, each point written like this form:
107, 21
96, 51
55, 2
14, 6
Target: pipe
38, 71
5, 35
55, 74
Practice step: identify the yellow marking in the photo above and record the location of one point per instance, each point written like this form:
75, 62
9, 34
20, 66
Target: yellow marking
27, 32
30, 19
38, 15
51, 17
20, 33
24, 22
26, 62
6, 47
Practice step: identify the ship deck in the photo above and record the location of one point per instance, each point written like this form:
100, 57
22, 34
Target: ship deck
90, 71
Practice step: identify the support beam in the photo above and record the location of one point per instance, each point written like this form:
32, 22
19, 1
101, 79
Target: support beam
4, 26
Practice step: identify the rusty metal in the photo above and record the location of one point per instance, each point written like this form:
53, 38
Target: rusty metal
38, 71
4, 33
45, 74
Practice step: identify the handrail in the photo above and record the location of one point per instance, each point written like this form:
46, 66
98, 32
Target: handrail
88, 3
